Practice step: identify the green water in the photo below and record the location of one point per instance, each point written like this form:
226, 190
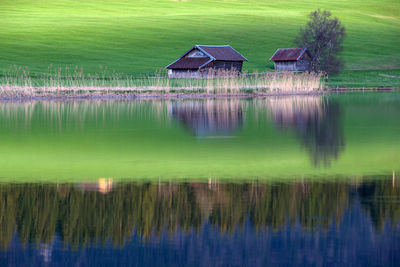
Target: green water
346, 135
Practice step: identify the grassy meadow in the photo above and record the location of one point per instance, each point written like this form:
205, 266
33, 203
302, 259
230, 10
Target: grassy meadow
141, 37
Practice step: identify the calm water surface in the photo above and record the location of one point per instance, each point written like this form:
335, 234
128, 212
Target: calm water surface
227, 182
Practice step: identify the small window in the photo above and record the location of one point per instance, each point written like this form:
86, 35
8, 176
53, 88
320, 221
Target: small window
196, 53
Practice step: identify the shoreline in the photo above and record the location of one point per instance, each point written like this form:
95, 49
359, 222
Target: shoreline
149, 96
126, 95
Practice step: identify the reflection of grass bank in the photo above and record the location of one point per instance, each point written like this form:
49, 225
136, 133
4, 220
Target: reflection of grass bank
77, 140
19, 82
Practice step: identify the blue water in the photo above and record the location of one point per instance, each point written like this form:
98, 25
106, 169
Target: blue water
349, 237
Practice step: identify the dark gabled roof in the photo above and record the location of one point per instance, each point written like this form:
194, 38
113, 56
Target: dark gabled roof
222, 52
288, 54
189, 63
213, 52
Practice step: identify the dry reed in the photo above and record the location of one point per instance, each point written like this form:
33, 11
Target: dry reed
65, 81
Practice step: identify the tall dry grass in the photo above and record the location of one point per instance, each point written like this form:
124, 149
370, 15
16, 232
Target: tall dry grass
73, 80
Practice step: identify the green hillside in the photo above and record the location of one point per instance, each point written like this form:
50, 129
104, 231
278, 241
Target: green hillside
138, 37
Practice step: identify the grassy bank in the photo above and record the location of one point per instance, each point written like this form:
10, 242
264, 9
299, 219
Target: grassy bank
366, 79
139, 37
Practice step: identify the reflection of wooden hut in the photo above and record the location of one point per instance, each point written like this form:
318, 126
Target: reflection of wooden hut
295, 111
291, 59
209, 117
200, 61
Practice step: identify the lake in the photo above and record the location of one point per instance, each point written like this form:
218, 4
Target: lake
306, 180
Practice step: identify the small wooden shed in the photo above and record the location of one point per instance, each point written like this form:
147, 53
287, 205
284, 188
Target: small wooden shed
201, 61
291, 59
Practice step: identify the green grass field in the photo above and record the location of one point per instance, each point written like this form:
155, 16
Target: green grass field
140, 37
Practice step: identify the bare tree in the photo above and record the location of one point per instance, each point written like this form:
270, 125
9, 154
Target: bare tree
323, 37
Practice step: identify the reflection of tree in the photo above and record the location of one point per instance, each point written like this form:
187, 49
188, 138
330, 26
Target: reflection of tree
209, 117
381, 199
93, 217
37, 213
311, 204
7, 215
317, 121
324, 138
231, 206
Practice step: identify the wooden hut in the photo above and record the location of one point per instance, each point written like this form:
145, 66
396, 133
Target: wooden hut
201, 61
291, 59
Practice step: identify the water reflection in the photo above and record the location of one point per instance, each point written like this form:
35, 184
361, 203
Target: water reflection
77, 139
37, 213
210, 117
316, 120
103, 186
